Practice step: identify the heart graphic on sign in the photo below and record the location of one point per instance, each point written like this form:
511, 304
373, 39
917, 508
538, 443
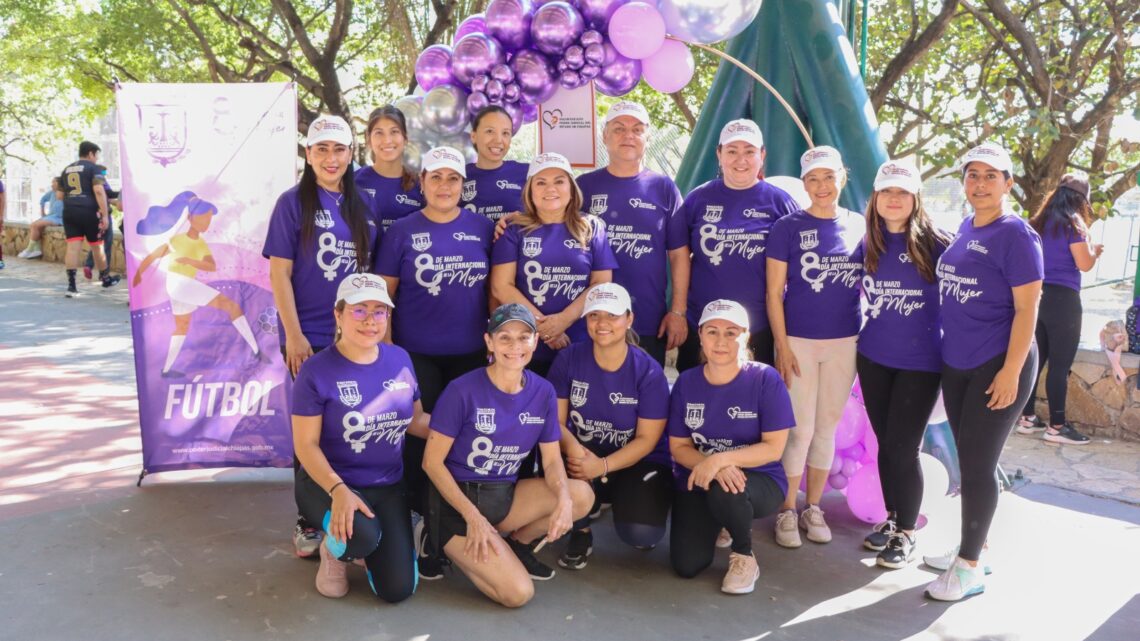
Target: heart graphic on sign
551, 118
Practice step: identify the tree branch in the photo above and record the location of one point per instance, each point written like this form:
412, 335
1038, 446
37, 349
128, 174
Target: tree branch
911, 52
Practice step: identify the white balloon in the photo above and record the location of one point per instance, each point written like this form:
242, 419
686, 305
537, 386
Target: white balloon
935, 481
938, 414
794, 187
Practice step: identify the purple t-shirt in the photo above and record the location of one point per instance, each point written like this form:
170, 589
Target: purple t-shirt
825, 265
493, 430
390, 201
643, 222
721, 418
902, 328
318, 267
728, 232
494, 192
365, 411
441, 303
552, 268
1060, 266
605, 406
975, 277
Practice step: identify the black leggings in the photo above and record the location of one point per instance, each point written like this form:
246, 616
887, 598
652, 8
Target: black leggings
760, 342
301, 520
698, 517
641, 496
980, 433
898, 403
1058, 335
384, 541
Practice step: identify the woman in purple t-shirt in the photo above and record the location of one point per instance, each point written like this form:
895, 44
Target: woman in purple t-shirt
393, 188
900, 347
989, 280
1062, 223
728, 424
484, 425
493, 185
550, 255
352, 405
815, 324
613, 400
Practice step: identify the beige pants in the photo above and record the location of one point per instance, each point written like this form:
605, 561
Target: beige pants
819, 394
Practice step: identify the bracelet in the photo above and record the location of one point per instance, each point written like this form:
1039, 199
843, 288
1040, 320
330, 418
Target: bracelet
606, 472
681, 314
333, 488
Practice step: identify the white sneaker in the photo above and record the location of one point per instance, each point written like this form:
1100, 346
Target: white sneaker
787, 532
724, 539
957, 582
942, 562
23, 253
742, 574
811, 520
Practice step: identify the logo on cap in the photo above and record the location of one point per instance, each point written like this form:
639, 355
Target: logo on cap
896, 170
816, 154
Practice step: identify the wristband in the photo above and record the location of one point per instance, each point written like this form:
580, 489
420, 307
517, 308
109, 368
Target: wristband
606, 469
333, 488
681, 314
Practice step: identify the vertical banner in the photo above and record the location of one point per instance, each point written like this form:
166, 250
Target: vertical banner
568, 123
202, 166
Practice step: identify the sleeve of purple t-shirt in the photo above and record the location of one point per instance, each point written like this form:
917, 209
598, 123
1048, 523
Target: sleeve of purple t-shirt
391, 252
779, 241
1022, 261
675, 426
603, 255
447, 417
281, 238
653, 394
506, 248
676, 228
788, 205
551, 430
559, 374
775, 403
1075, 231
306, 399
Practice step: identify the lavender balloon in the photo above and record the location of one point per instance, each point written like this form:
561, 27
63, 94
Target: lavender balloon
591, 37
494, 90
637, 30
445, 109
619, 74
570, 79
707, 21
473, 24
503, 73
476, 53
476, 102
479, 83
511, 93
837, 481
575, 57
597, 13
509, 22
556, 25
589, 72
535, 76
433, 67
594, 54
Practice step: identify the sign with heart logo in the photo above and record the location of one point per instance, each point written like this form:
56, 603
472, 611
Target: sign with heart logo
570, 126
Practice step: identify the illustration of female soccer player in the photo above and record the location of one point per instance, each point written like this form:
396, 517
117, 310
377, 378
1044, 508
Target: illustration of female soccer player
187, 254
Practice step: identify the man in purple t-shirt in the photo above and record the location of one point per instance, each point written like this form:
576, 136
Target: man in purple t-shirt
646, 231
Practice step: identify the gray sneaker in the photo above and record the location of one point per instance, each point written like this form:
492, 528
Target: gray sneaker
811, 520
787, 530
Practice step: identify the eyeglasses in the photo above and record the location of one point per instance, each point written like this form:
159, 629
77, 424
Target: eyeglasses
361, 314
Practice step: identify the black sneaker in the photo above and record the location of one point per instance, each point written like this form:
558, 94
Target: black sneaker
877, 539
537, 570
111, 281
72, 292
429, 563
578, 550
1030, 425
1065, 435
898, 552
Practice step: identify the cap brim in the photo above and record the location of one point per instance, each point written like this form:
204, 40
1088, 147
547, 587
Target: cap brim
356, 299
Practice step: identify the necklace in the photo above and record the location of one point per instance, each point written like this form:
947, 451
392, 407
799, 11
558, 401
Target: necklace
335, 196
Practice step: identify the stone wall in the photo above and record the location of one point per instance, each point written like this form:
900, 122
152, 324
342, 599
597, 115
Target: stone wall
1097, 404
55, 245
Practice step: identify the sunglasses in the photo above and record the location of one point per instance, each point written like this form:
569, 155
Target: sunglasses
361, 314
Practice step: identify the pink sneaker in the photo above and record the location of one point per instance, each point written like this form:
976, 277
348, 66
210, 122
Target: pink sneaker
332, 576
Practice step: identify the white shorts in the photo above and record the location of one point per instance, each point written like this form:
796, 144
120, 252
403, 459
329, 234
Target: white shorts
187, 294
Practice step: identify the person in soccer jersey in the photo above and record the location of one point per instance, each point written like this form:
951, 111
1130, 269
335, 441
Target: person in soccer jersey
188, 254
86, 213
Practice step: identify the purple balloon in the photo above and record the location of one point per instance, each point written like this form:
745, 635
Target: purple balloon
589, 72
509, 22
574, 57
556, 25
535, 76
433, 67
598, 12
476, 102
591, 37
856, 452
837, 481
563, 65
595, 54
503, 73
476, 53
516, 113
670, 69
479, 83
473, 24
637, 30
619, 74
494, 90
511, 93
836, 464
530, 112
848, 468
865, 495
570, 79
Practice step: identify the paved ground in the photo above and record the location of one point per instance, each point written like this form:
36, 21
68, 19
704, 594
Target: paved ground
205, 555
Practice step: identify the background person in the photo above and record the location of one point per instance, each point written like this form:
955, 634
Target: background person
391, 186
493, 186
51, 210
86, 213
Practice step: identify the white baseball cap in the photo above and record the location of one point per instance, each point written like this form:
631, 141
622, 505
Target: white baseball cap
728, 310
444, 158
628, 108
546, 161
329, 129
607, 297
359, 288
988, 153
742, 129
899, 173
820, 157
